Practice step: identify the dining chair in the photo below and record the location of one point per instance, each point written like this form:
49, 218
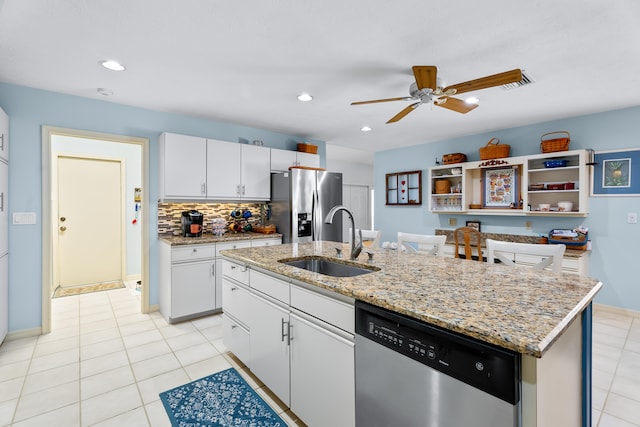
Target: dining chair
370, 238
470, 238
421, 243
507, 251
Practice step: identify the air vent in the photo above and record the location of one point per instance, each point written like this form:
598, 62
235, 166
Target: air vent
526, 80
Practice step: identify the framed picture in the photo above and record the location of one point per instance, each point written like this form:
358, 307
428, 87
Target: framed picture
616, 173
474, 224
404, 188
500, 187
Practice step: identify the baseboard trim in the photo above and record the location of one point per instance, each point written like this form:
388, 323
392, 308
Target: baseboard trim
24, 333
615, 310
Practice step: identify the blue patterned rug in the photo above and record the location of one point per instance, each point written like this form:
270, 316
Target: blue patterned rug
223, 399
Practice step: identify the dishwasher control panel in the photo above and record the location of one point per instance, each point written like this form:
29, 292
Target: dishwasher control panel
493, 369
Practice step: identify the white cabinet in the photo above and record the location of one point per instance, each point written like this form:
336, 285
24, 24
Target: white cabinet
281, 160
187, 281
237, 171
323, 358
183, 167
4, 225
520, 186
4, 211
4, 135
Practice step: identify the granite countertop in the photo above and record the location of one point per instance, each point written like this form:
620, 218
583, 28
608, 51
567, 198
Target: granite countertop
211, 238
516, 308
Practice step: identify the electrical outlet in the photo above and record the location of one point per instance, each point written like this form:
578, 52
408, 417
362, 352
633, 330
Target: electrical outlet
527, 225
632, 218
453, 221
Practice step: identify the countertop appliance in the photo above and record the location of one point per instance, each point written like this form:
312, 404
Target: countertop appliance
192, 223
409, 373
300, 200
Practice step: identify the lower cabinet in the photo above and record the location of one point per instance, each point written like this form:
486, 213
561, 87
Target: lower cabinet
322, 373
301, 343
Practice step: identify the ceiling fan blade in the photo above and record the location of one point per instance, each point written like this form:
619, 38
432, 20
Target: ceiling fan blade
455, 104
404, 112
404, 98
426, 76
486, 82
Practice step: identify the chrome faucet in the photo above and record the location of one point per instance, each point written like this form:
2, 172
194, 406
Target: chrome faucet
356, 248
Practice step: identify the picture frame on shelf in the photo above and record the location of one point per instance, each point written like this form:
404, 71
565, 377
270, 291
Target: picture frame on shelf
616, 172
500, 187
474, 224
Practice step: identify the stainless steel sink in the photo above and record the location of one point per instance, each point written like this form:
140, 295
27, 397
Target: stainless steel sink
326, 266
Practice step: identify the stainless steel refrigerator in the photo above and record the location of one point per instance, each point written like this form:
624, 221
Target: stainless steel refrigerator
301, 199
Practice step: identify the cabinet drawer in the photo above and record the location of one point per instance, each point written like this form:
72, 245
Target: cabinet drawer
236, 272
236, 338
334, 312
255, 243
235, 301
192, 252
236, 244
275, 288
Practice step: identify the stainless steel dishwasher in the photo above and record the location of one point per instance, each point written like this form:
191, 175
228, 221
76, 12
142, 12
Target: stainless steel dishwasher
412, 374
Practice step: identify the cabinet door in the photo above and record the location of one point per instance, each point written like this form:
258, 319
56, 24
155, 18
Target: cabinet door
322, 375
183, 167
4, 212
192, 288
236, 338
4, 296
256, 173
223, 169
308, 159
269, 343
282, 159
4, 135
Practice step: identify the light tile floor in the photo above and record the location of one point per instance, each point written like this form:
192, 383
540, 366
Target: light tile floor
104, 364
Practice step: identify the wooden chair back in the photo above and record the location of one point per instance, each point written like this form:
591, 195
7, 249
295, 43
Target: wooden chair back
470, 238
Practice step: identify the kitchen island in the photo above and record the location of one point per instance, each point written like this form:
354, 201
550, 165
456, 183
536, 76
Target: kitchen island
544, 316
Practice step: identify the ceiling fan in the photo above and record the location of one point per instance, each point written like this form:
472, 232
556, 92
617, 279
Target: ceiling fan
427, 89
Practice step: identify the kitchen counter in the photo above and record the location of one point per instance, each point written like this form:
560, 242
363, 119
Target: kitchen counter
520, 309
210, 238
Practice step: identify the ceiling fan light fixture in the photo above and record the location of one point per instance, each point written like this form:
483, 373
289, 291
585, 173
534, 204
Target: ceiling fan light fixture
365, 129
472, 100
305, 97
112, 65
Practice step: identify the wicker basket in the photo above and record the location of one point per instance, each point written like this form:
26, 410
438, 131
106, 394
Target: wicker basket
494, 150
442, 186
307, 148
552, 145
452, 158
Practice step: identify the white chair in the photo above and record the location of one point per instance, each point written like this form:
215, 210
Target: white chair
370, 238
506, 251
421, 243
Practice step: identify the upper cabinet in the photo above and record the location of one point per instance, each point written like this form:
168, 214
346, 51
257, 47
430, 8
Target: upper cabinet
542, 184
282, 160
193, 168
4, 135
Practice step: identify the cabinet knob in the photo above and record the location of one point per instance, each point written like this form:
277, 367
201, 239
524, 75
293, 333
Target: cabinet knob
234, 289
63, 228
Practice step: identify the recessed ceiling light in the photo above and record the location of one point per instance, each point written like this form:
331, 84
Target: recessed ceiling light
105, 92
305, 97
112, 65
472, 100
365, 129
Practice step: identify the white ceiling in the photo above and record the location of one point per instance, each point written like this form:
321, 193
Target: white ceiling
245, 61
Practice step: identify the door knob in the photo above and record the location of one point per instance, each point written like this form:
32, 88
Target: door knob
63, 228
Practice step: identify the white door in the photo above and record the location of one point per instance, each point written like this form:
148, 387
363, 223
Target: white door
185, 166
194, 289
269, 327
223, 169
356, 199
256, 174
89, 221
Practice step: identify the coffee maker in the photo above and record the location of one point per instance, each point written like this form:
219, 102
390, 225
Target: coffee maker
192, 222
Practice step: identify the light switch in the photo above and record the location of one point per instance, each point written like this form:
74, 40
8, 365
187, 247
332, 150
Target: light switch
632, 218
24, 218
452, 221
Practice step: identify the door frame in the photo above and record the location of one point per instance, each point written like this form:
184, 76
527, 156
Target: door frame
47, 241
55, 273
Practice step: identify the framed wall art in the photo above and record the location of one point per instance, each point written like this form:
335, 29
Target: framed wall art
616, 173
404, 188
500, 187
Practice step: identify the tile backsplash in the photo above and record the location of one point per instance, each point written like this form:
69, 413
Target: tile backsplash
170, 222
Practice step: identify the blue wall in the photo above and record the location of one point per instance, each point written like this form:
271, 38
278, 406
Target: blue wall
30, 109
615, 257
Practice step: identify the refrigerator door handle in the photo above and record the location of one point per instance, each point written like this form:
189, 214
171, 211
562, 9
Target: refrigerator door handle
314, 216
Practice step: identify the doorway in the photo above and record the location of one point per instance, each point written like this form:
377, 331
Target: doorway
88, 245
108, 153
